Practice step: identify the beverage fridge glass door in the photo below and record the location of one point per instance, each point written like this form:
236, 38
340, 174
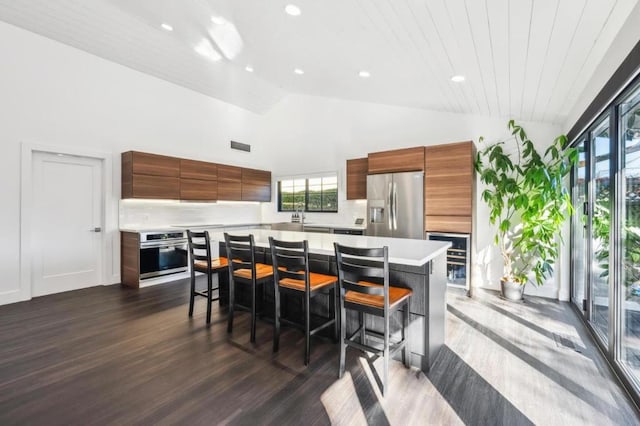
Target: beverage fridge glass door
408, 205
379, 191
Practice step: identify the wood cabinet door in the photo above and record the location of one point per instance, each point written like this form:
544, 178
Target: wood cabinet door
457, 224
449, 180
130, 259
256, 185
154, 165
198, 190
202, 170
150, 176
397, 160
156, 187
229, 183
357, 178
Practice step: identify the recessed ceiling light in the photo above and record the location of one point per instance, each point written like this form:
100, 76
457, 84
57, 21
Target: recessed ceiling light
298, 71
457, 78
166, 27
292, 10
218, 20
364, 74
249, 68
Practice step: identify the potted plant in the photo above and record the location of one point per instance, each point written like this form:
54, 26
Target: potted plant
529, 204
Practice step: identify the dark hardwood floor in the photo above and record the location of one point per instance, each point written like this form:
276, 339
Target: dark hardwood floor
114, 355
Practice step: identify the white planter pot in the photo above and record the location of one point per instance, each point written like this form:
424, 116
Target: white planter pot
511, 290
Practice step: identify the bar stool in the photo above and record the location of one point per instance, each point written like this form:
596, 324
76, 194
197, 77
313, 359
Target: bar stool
363, 276
201, 261
292, 276
243, 269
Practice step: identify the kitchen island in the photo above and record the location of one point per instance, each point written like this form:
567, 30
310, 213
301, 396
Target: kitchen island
416, 264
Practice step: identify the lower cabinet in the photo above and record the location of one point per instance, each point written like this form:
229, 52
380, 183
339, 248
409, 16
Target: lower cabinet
130, 259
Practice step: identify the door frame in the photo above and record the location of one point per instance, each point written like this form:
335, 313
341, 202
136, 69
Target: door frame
26, 205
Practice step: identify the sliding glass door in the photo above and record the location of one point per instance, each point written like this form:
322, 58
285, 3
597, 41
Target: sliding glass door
605, 234
600, 227
578, 228
629, 125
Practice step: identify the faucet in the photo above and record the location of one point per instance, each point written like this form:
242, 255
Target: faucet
300, 212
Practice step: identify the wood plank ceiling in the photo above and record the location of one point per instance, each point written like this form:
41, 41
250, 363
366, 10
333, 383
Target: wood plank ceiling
525, 59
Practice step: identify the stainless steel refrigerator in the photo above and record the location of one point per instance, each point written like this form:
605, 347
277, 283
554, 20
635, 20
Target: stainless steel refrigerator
395, 205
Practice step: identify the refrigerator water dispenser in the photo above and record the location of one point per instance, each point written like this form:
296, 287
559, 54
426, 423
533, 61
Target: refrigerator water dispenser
376, 214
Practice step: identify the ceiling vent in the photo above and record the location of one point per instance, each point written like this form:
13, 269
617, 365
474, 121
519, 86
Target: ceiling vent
241, 146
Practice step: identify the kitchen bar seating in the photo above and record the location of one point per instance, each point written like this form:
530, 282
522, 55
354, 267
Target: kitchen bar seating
243, 269
290, 261
363, 275
201, 261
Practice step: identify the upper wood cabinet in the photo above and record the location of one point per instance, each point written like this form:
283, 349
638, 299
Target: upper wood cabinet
229, 183
155, 176
256, 185
150, 176
397, 160
198, 180
192, 169
448, 192
143, 163
357, 178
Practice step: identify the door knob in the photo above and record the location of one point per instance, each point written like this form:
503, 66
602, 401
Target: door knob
96, 229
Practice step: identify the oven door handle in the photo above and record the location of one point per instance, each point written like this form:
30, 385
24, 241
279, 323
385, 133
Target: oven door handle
161, 244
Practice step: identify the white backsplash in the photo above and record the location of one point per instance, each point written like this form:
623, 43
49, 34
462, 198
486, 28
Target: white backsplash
147, 214
348, 211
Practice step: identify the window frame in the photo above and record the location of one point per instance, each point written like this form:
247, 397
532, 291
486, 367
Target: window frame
307, 192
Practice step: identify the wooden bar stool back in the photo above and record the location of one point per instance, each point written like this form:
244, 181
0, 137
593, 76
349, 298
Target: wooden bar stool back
243, 269
363, 275
290, 261
201, 261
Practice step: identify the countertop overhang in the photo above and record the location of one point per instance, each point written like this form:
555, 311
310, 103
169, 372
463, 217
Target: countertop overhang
403, 251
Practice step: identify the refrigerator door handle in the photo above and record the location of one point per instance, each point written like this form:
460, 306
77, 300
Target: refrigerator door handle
395, 206
390, 198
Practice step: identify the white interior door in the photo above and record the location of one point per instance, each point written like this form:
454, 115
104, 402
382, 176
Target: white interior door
66, 237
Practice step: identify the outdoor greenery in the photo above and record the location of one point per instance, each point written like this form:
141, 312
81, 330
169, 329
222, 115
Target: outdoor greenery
310, 195
527, 200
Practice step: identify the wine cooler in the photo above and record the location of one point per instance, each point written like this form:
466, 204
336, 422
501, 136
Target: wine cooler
458, 257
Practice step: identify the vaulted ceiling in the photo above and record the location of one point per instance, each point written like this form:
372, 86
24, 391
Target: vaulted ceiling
525, 59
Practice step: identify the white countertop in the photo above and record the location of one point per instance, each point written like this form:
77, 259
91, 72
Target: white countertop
403, 251
177, 227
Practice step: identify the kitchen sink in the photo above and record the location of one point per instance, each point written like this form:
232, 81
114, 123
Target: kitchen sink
287, 226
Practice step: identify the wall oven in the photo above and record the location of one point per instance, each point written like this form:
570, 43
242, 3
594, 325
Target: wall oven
163, 253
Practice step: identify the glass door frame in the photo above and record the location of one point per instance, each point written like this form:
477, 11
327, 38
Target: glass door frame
582, 305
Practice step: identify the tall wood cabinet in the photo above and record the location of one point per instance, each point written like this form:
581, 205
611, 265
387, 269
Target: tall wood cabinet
449, 185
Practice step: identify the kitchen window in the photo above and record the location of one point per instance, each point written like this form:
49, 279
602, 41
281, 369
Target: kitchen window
313, 194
